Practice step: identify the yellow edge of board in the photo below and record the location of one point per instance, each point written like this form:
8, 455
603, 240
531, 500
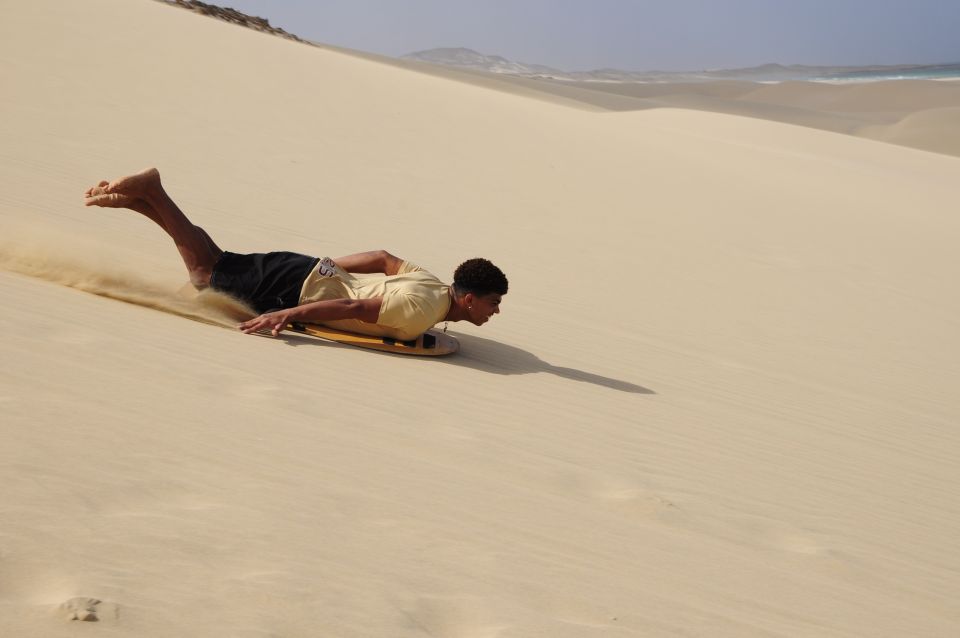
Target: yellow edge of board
443, 344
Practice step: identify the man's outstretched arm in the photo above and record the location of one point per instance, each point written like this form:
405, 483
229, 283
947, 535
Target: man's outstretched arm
316, 312
370, 262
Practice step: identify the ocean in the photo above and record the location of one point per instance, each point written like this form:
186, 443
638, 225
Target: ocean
937, 72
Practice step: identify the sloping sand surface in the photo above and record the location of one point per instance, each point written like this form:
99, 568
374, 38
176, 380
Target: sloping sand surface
935, 129
720, 399
874, 110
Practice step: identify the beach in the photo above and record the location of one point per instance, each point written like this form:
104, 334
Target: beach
719, 400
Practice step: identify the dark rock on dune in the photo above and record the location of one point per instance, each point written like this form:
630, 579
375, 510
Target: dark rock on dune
232, 15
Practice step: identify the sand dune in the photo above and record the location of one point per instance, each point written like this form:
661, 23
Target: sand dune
889, 96
932, 129
855, 109
720, 399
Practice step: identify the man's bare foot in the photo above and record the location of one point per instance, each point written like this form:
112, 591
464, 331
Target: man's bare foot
142, 184
98, 196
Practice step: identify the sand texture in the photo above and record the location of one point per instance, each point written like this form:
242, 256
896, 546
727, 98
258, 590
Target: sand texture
720, 400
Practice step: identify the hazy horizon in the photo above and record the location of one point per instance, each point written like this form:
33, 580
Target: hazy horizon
682, 35
753, 66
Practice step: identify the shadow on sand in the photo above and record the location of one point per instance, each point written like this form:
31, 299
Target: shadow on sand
499, 358
487, 355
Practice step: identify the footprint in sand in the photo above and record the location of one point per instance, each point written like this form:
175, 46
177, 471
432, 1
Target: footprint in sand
87, 609
621, 494
454, 617
254, 391
768, 533
639, 502
760, 533
797, 543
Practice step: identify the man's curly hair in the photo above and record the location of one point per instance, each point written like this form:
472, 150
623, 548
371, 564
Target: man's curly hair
480, 277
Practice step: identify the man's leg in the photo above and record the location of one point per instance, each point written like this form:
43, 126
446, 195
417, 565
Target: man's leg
144, 193
115, 200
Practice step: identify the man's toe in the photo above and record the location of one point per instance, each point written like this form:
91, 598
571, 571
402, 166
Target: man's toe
103, 199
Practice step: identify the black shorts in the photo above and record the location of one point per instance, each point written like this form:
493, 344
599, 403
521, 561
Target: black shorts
264, 281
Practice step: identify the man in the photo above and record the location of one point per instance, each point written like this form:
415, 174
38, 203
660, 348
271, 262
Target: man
288, 287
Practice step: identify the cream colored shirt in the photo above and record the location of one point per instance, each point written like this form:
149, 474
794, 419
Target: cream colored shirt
414, 300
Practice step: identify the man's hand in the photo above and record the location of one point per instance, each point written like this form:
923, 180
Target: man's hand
367, 310
272, 321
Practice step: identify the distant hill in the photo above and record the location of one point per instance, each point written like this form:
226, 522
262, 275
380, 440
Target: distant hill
470, 59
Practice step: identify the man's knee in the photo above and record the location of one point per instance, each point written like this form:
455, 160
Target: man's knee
200, 278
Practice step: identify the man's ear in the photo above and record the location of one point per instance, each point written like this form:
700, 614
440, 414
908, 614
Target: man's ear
468, 299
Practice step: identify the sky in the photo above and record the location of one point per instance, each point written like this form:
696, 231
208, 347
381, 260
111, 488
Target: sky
635, 35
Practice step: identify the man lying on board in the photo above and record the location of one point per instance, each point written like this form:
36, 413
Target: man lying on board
288, 287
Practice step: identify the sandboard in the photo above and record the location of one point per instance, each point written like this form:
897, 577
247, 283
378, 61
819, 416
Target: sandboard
430, 344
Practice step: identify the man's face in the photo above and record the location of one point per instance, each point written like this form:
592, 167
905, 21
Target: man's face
482, 307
